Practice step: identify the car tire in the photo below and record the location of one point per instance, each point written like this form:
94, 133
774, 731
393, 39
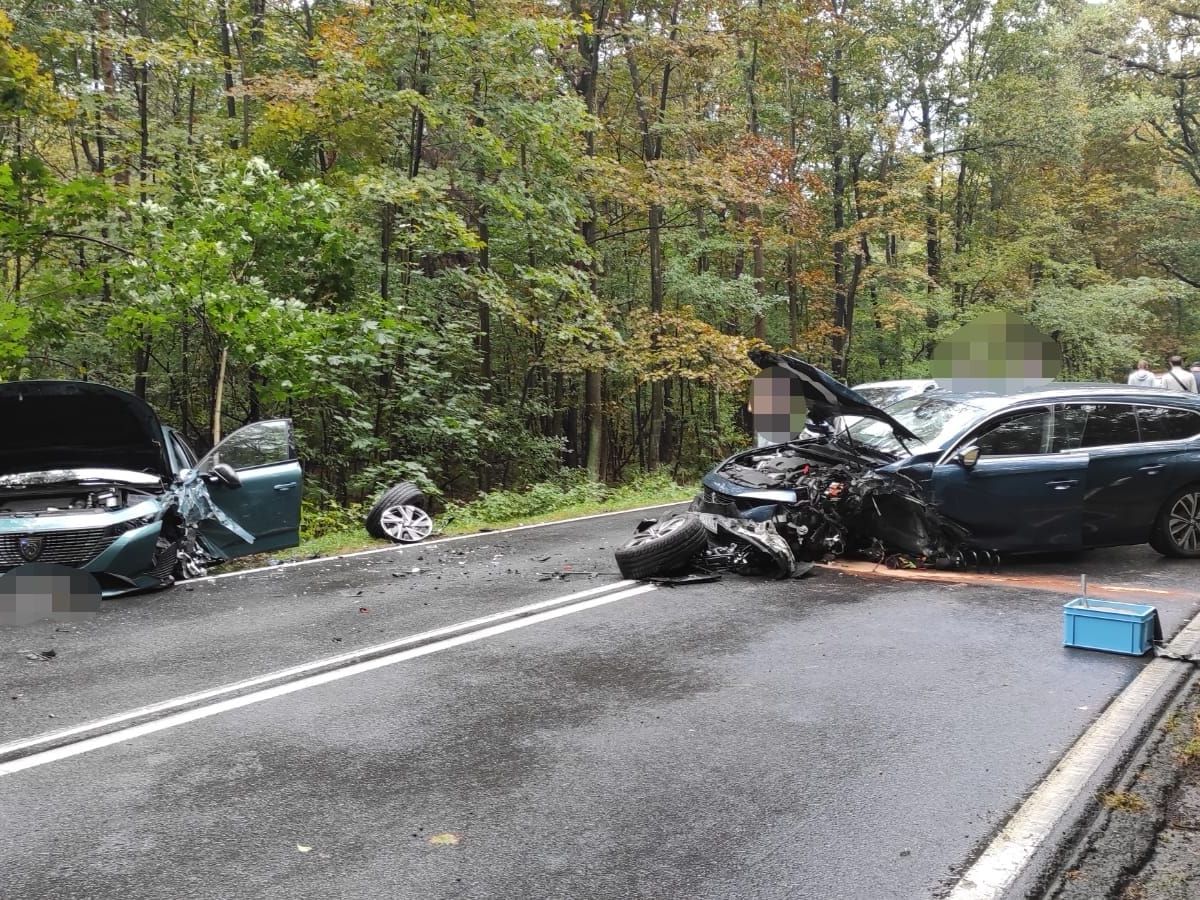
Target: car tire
400, 515
664, 548
1176, 529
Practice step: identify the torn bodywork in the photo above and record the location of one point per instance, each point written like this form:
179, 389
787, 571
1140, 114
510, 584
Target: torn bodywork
90, 479
144, 533
777, 510
817, 503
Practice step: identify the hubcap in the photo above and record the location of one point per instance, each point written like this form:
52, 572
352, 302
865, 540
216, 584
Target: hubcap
1184, 522
406, 524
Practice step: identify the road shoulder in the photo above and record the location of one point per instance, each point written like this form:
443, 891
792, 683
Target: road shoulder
1144, 841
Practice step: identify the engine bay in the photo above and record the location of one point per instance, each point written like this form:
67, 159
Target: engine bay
63, 492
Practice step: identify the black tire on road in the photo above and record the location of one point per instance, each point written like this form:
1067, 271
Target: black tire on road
665, 548
1177, 527
403, 494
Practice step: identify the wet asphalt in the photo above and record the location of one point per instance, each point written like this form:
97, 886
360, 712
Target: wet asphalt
843, 736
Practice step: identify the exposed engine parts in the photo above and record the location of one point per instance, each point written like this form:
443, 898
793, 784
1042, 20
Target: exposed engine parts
803, 506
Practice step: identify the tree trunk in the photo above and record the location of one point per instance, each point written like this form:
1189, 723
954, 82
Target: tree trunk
652, 147
838, 198
227, 65
591, 24
793, 297
933, 245
219, 395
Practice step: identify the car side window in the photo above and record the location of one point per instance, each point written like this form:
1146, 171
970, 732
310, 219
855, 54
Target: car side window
260, 444
1079, 426
1167, 423
1021, 435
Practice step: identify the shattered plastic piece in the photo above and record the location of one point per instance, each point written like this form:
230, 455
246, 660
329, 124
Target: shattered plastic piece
803, 568
693, 578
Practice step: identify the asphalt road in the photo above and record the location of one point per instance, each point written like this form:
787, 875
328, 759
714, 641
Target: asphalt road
851, 735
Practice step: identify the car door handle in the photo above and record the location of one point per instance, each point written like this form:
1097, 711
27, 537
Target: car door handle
1064, 485
287, 486
1151, 470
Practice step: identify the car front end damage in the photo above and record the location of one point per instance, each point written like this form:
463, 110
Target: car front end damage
88, 483
123, 527
779, 509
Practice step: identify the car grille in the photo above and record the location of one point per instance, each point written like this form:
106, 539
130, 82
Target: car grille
711, 496
68, 548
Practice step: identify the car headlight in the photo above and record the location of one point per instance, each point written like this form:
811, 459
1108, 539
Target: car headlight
119, 528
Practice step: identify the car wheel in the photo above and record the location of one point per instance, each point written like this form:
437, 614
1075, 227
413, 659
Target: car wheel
399, 515
1177, 528
664, 548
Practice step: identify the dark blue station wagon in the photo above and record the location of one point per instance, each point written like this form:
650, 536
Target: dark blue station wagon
1063, 467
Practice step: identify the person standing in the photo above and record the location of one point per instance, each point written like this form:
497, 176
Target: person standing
1142, 376
1178, 378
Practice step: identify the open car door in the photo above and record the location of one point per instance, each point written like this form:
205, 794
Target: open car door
266, 502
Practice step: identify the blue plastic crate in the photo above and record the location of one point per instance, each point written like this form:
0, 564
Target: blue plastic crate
1108, 625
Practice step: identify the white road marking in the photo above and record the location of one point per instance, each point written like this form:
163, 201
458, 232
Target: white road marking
204, 712
1006, 857
294, 671
423, 544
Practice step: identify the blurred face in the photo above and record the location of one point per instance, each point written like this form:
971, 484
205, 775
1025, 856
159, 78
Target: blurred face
778, 406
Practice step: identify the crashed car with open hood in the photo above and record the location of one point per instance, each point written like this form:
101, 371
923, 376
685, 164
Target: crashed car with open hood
90, 479
943, 479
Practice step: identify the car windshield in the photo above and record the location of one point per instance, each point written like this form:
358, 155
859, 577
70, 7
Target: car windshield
883, 396
931, 419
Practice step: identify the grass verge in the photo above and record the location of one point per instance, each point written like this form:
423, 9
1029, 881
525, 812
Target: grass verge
333, 532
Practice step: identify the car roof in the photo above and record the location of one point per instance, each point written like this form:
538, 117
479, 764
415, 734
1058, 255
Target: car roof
899, 383
1094, 392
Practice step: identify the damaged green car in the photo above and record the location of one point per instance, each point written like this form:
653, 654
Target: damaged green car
92, 480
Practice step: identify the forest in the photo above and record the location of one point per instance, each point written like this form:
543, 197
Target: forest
478, 243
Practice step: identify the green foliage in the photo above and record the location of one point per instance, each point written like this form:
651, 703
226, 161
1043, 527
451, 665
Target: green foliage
322, 519
424, 231
570, 491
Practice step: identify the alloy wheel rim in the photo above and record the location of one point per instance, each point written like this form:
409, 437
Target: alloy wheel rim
1184, 522
406, 524
657, 530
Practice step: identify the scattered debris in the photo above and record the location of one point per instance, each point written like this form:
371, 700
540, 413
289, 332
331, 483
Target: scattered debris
563, 575
693, 578
445, 839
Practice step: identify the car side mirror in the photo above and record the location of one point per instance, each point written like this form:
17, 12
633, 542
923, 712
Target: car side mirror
967, 457
227, 475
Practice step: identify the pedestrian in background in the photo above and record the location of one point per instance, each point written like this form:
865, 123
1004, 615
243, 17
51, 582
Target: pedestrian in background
1142, 376
1178, 378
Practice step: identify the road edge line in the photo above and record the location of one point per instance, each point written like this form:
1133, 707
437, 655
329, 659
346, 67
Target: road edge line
18, 748
129, 733
291, 564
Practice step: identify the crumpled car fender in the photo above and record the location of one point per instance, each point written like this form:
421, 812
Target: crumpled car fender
771, 550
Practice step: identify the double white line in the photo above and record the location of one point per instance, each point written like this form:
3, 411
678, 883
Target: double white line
57, 745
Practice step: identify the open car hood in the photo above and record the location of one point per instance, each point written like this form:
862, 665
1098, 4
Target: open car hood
825, 397
51, 425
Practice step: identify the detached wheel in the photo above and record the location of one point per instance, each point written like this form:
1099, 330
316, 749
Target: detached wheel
399, 515
665, 548
1177, 528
